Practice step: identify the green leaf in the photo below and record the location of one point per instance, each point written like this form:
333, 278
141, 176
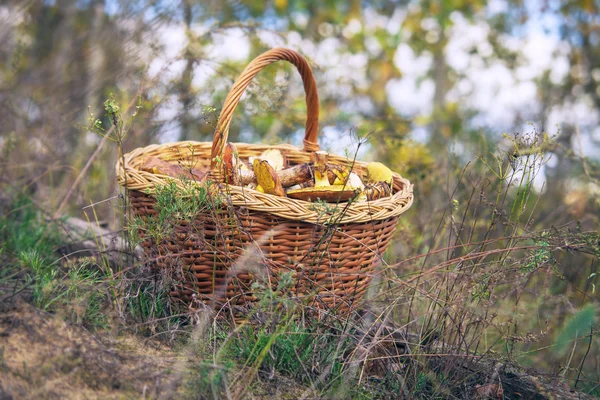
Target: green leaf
577, 326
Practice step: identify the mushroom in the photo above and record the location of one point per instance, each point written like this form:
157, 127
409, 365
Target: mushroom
235, 171
377, 172
230, 164
156, 165
274, 157
300, 174
321, 177
374, 191
330, 194
355, 182
323, 189
267, 178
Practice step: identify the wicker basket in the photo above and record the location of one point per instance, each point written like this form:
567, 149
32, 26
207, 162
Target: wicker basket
330, 251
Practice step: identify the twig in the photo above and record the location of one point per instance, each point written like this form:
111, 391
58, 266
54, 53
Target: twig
584, 357
100, 202
570, 359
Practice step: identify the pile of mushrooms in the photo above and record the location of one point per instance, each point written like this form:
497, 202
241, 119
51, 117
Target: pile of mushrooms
269, 173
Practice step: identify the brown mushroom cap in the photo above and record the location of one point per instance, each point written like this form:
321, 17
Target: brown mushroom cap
156, 165
230, 164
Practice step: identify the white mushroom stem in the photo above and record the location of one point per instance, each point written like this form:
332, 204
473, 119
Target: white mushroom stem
296, 175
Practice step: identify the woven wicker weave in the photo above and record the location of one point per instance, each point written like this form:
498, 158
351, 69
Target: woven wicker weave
331, 251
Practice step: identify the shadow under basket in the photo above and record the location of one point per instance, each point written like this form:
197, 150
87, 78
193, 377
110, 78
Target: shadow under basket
216, 257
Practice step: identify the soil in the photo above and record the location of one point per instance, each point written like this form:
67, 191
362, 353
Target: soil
43, 357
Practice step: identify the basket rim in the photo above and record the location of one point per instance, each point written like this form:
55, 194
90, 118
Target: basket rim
131, 177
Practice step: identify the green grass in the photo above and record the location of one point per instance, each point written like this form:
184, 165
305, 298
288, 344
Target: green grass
28, 246
23, 230
208, 380
43, 276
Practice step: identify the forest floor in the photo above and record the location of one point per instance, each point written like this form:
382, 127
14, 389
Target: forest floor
44, 357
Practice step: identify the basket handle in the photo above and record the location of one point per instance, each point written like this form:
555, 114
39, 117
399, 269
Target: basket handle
231, 101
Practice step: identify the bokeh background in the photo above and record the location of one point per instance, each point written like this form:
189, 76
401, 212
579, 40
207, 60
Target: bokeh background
438, 86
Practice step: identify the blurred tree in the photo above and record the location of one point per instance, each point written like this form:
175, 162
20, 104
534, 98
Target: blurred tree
59, 61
